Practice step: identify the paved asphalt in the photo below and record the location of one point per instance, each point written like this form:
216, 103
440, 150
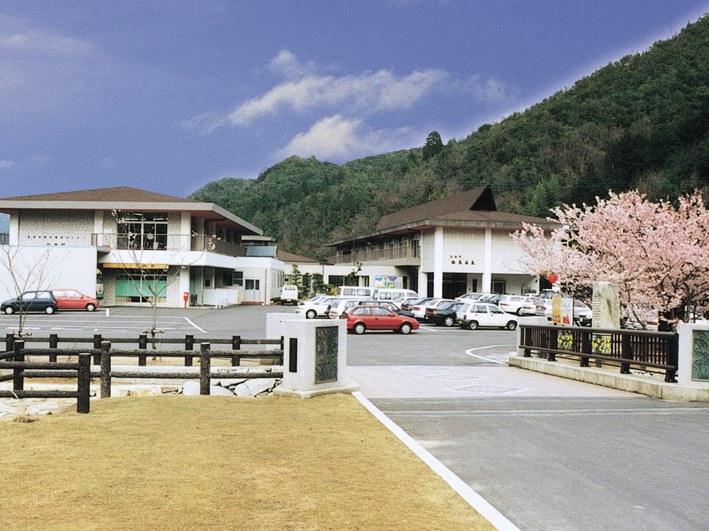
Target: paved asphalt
548, 453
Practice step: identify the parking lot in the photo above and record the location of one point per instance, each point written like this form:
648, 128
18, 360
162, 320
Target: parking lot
548, 453
250, 322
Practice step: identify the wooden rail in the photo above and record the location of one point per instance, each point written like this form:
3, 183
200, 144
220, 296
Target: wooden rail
143, 341
82, 371
14, 358
626, 348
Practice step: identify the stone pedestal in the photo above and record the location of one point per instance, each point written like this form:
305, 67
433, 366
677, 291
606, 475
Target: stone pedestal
693, 363
315, 358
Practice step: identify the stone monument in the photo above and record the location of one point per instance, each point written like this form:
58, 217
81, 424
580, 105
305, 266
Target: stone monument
606, 305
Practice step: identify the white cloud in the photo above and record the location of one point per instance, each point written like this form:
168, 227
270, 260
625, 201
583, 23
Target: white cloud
287, 63
337, 138
365, 93
5, 164
42, 43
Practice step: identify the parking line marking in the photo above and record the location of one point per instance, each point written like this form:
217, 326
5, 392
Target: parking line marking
469, 352
194, 325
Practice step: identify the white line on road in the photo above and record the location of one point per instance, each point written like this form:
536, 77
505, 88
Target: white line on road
478, 503
470, 352
197, 327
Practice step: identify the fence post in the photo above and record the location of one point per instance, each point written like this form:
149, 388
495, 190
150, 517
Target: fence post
672, 358
527, 334
83, 384
586, 347
97, 346
235, 345
626, 353
18, 381
205, 369
9, 341
142, 345
105, 369
53, 343
554, 344
189, 345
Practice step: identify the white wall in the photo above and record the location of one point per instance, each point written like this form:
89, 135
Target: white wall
59, 267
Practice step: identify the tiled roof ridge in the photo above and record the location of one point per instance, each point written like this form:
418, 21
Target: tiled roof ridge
114, 194
476, 198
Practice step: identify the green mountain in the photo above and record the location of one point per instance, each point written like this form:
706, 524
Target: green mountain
640, 122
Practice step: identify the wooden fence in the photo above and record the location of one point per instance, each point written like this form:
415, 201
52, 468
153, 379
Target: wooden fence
16, 352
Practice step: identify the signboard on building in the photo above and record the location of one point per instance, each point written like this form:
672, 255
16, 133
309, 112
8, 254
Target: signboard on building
388, 282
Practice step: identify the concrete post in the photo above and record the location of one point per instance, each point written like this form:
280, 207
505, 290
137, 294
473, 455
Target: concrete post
315, 358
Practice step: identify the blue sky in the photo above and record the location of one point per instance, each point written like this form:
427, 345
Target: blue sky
167, 96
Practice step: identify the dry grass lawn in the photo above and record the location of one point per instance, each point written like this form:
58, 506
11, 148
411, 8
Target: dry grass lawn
200, 463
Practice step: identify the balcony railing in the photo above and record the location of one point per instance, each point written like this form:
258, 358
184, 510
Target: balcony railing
167, 242
391, 253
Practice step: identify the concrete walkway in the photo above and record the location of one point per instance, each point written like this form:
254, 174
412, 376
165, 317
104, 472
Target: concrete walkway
470, 382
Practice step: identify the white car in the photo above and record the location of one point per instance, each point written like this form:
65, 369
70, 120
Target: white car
516, 304
419, 310
339, 306
315, 307
469, 297
474, 315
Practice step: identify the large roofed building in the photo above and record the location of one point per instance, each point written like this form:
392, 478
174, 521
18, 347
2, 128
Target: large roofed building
112, 241
443, 248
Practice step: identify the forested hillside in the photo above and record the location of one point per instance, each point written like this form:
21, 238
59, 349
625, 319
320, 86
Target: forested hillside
641, 122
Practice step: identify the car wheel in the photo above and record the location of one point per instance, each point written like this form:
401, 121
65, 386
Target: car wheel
49, 310
519, 312
311, 314
359, 328
9, 310
90, 307
405, 328
472, 325
511, 325
449, 321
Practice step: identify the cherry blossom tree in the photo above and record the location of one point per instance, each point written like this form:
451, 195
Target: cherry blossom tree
657, 254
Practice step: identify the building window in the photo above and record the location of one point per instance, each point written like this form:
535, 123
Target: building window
137, 230
499, 286
132, 286
237, 278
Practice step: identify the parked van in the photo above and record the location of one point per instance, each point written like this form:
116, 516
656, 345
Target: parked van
355, 292
289, 294
393, 295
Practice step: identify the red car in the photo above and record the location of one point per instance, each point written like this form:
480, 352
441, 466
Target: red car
363, 318
70, 299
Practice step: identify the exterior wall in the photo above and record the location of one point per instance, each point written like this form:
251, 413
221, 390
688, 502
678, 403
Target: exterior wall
55, 227
60, 267
463, 250
506, 255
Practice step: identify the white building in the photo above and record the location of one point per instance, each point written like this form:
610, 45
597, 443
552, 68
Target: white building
443, 248
115, 242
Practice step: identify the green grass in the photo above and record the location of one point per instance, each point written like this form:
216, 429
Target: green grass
174, 462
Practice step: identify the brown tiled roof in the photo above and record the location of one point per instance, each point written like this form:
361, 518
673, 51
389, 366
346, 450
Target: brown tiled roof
480, 199
285, 256
118, 194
